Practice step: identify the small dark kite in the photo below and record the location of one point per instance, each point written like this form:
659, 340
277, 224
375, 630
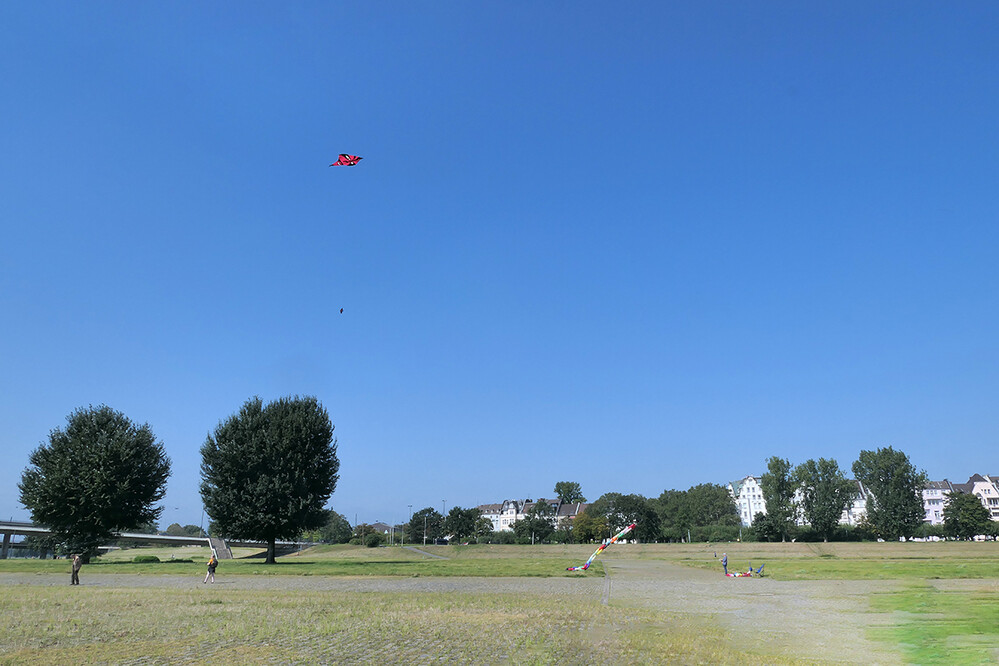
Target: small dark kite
347, 160
341, 310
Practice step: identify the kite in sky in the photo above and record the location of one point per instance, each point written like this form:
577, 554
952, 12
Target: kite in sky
347, 160
601, 549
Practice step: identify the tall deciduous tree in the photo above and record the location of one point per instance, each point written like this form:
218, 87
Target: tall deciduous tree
462, 523
895, 504
337, 529
700, 506
425, 525
778, 491
965, 517
267, 471
101, 475
569, 492
589, 526
825, 494
538, 524
622, 510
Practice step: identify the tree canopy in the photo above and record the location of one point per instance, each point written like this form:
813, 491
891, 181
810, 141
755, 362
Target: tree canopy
461, 523
425, 525
825, 494
895, 504
700, 506
101, 475
965, 517
778, 492
336, 529
589, 526
267, 471
175, 529
621, 510
569, 492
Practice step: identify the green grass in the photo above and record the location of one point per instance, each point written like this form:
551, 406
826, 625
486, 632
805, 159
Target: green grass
942, 627
837, 561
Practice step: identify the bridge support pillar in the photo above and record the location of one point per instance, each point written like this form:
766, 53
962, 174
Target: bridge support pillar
5, 547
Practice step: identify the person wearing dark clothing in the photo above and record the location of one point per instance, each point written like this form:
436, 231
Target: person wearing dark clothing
725, 563
77, 563
212, 563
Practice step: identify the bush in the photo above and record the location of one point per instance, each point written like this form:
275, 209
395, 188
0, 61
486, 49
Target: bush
355, 542
145, 559
500, 537
373, 540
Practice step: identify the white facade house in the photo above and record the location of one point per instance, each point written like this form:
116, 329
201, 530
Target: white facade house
748, 496
934, 498
986, 488
857, 509
504, 515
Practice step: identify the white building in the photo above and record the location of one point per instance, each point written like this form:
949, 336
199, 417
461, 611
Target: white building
934, 498
986, 488
748, 498
504, 515
856, 511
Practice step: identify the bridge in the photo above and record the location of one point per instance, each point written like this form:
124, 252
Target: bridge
220, 548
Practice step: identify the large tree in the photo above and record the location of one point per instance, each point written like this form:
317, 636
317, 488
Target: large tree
965, 517
425, 525
102, 474
462, 523
700, 506
621, 510
778, 492
337, 529
569, 492
825, 494
537, 525
589, 526
267, 471
895, 487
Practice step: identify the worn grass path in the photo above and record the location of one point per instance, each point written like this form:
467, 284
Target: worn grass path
825, 621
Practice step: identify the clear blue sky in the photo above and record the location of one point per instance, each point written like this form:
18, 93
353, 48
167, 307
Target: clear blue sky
639, 245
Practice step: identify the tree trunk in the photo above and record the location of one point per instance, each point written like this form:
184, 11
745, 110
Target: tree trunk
270, 552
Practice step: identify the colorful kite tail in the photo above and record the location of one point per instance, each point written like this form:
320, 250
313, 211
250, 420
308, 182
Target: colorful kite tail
601, 548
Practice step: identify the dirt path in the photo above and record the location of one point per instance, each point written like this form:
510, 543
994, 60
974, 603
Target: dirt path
821, 620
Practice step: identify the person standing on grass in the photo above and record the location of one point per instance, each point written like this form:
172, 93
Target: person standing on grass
77, 563
725, 563
212, 563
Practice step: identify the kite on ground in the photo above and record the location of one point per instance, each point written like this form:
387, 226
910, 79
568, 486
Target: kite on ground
601, 549
749, 574
347, 160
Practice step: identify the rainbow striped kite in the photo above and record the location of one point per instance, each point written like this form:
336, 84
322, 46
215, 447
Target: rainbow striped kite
601, 549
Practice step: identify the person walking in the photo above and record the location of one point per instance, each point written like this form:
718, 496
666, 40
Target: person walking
77, 563
212, 564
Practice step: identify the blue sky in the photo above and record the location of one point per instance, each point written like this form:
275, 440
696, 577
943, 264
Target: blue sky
640, 246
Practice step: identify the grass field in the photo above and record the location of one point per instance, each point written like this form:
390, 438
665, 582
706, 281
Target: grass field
925, 603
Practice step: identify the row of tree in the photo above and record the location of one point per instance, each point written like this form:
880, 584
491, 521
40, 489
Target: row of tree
268, 471
266, 474
819, 492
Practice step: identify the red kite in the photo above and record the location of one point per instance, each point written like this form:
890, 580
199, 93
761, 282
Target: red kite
347, 160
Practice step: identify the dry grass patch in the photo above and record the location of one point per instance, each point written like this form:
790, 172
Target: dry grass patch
79, 625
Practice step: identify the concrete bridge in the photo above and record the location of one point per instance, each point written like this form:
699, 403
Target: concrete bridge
220, 548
